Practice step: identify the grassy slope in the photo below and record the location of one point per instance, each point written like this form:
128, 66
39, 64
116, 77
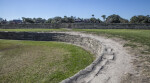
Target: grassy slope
138, 36
33, 30
39, 61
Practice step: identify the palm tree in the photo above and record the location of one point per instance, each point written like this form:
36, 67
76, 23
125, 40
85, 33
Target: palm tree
92, 15
23, 19
104, 17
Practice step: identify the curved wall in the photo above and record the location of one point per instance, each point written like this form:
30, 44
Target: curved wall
76, 26
93, 45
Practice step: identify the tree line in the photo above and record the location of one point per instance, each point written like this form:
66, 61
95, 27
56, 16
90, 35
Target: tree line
58, 19
110, 19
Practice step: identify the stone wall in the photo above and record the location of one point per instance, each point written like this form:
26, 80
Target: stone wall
88, 43
77, 26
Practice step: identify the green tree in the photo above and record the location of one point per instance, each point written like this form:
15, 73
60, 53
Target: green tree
71, 19
49, 20
140, 19
56, 20
93, 16
93, 20
65, 19
98, 21
115, 19
27, 20
23, 19
124, 20
39, 20
104, 17
68, 19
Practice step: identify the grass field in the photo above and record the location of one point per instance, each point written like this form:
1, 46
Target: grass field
33, 30
135, 39
40, 61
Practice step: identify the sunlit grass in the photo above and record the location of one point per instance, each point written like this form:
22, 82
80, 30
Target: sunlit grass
40, 61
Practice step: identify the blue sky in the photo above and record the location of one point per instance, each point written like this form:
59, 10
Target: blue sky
14, 9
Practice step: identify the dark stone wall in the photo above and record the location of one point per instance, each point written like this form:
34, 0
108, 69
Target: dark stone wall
30, 36
76, 25
85, 42
90, 44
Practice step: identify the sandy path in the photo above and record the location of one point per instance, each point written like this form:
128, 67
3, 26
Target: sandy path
115, 63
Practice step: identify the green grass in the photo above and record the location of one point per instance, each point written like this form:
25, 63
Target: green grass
40, 61
33, 30
130, 44
137, 36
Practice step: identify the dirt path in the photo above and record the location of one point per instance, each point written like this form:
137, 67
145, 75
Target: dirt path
114, 64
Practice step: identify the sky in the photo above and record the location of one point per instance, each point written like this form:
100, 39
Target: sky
16, 9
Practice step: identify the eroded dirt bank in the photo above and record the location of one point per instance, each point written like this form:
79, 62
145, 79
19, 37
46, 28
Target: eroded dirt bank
113, 66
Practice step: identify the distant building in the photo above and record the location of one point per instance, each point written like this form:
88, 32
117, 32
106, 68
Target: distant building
87, 21
78, 20
16, 21
40, 21
1, 19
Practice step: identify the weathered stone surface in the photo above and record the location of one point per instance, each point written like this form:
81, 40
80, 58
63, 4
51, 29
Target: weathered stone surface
77, 25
